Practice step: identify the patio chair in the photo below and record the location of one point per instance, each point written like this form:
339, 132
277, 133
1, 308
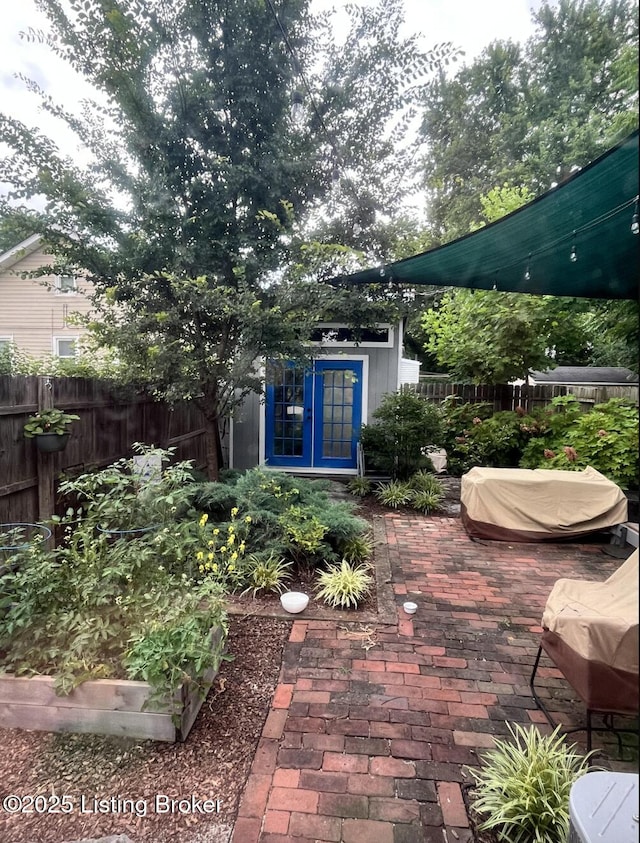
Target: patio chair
590, 633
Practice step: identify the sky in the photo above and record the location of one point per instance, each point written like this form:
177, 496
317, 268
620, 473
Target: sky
469, 24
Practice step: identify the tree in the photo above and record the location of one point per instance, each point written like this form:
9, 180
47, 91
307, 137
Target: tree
189, 218
494, 337
518, 113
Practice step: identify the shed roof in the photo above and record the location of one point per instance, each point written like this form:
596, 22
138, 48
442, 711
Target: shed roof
528, 251
610, 375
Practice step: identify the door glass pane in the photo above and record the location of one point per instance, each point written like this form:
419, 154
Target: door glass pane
337, 396
288, 411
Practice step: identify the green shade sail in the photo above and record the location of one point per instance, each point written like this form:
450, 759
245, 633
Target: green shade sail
529, 250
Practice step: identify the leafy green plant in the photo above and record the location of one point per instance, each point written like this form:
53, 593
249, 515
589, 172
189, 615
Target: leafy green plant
49, 421
404, 424
304, 532
356, 549
605, 438
360, 487
427, 502
120, 498
344, 586
524, 786
424, 481
394, 494
266, 572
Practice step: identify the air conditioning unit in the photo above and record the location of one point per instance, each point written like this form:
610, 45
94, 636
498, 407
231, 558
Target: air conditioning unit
603, 808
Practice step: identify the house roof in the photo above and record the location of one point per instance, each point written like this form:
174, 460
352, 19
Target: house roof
528, 251
17, 253
610, 375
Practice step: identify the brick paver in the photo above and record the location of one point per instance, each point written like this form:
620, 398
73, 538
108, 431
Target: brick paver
365, 745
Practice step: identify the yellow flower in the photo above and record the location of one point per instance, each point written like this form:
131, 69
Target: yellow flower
199, 555
234, 556
223, 549
241, 547
248, 519
231, 538
234, 511
201, 568
216, 531
232, 568
210, 557
203, 519
210, 543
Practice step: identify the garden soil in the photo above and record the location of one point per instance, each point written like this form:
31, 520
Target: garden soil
213, 763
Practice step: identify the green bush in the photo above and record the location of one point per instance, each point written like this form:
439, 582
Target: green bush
356, 549
266, 572
474, 436
394, 494
404, 424
524, 786
427, 502
605, 438
359, 486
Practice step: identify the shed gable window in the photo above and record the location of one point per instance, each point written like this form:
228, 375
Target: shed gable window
333, 334
65, 347
66, 284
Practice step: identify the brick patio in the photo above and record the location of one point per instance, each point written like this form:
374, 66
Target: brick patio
369, 744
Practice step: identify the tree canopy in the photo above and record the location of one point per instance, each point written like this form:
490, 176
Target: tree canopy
191, 215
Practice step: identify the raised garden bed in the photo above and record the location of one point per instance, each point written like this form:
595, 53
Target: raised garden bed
104, 706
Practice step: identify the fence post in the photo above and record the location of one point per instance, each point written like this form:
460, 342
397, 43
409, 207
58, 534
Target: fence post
44, 462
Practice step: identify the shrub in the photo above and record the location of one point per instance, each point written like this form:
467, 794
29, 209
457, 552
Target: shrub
605, 438
344, 586
424, 481
426, 502
266, 572
524, 786
359, 487
356, 549
404, 424
394, 494
216, 499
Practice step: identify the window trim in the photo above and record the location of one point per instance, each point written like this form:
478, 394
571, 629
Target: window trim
73, 291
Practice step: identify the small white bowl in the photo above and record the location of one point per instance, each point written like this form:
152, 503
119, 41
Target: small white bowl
294, 601
410, 608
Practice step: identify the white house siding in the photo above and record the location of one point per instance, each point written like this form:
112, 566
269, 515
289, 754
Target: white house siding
32, 314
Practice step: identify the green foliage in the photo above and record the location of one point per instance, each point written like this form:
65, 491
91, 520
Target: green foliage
360, 487
266, 572
49, 421
216, 499
404, 425
356, 549
605, 438
304, 532
424, 481
96, 609
524, 786
119, 498
518, 112
488, 336
344, 586
427, 501
394, 494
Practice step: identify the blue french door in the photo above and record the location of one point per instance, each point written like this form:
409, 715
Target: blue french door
313, 415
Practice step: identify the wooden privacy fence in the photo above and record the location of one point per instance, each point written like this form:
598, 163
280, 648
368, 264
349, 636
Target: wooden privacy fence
110, 422
509, 396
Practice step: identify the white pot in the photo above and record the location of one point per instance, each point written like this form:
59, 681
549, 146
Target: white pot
294, 601
410, 608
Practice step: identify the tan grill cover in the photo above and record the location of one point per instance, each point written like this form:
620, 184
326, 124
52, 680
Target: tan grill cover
591, 633
518, 504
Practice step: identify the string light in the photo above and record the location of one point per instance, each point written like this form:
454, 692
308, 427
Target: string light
297, 108
573, 257
635, 226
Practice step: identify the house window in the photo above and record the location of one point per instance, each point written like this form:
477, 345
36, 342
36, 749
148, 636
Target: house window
65, 347
66, 284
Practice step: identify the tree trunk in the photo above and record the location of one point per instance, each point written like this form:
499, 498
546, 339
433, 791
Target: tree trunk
213, 447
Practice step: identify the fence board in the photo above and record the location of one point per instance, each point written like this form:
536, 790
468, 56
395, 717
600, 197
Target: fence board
110, 422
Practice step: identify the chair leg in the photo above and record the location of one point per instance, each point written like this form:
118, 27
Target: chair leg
534, 694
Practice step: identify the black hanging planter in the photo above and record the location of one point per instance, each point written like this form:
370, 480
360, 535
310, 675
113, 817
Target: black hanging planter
49, 443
